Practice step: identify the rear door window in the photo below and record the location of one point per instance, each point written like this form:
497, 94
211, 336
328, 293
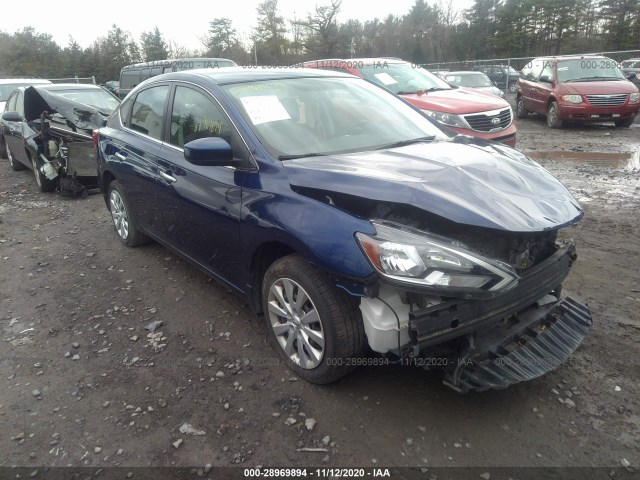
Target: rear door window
147, 111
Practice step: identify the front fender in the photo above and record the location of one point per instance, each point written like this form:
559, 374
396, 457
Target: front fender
321, 233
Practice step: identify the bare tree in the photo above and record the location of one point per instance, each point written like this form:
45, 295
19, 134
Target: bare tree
322, 30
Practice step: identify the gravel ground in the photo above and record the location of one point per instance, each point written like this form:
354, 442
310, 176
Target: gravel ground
86, 383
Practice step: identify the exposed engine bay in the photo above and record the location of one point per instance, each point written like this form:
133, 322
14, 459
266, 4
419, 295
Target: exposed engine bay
66, 157
62, 140
479, 343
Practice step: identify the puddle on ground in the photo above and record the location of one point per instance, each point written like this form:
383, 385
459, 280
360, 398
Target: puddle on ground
626, 161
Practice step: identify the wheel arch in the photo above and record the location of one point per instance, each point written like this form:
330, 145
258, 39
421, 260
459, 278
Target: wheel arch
263, 257
105, 180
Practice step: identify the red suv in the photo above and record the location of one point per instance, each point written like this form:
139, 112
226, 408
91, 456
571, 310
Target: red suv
466, 111
577, 88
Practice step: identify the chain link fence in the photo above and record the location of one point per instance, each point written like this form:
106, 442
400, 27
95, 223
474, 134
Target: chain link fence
505, 71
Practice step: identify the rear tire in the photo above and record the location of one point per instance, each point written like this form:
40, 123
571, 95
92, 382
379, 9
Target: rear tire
122, 217
310, 323
13, 163
553, 116
624, 123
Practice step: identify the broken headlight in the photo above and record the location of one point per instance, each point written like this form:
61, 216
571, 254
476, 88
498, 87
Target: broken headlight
423, 259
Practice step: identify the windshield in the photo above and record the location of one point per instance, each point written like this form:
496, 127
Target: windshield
403, 78
588, 70
511, 71
97, 98
321, 116
472, 80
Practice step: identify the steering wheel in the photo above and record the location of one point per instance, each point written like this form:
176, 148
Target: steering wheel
357, 127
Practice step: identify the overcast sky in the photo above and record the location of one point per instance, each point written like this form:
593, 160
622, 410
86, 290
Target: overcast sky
182, 22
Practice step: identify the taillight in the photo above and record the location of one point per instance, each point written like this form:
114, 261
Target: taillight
94, 136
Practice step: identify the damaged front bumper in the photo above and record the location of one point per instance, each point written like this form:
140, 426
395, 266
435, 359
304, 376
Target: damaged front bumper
456, 317
488, 343
539, 342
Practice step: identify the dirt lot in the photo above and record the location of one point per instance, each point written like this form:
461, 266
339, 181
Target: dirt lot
82, 384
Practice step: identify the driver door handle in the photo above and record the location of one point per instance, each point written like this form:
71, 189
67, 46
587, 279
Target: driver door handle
167, 177
119, 156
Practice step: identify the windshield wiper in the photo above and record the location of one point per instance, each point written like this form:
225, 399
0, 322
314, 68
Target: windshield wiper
300, 155
422, 91
403, 143
593, 79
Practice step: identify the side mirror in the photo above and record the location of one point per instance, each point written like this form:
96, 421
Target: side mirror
12, 117
212, 151
545, 79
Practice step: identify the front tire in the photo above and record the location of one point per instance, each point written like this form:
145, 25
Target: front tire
3, 148
121, 215
553, 116
521, 112
44, 184
13, 163
624, 123
310, 323
513, 87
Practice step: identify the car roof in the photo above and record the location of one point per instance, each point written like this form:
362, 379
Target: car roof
464, 72
9, 81
68, 86
229, 75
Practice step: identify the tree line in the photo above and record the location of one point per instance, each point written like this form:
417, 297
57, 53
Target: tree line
429, 32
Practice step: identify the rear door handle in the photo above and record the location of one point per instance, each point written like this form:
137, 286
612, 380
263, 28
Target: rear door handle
167, 177
119, 156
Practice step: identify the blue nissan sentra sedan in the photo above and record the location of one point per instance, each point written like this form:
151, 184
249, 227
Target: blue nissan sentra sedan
360, 230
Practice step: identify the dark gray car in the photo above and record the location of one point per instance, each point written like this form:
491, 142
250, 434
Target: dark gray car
631, 68
504, 76
48, 129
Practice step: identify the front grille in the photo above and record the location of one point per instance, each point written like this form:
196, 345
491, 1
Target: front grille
607, 100
493, 121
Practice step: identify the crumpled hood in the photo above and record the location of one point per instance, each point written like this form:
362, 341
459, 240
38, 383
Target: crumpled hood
468, 181
80, 115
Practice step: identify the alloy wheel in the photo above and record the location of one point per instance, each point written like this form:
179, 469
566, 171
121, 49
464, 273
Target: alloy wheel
119, 214
296, 323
